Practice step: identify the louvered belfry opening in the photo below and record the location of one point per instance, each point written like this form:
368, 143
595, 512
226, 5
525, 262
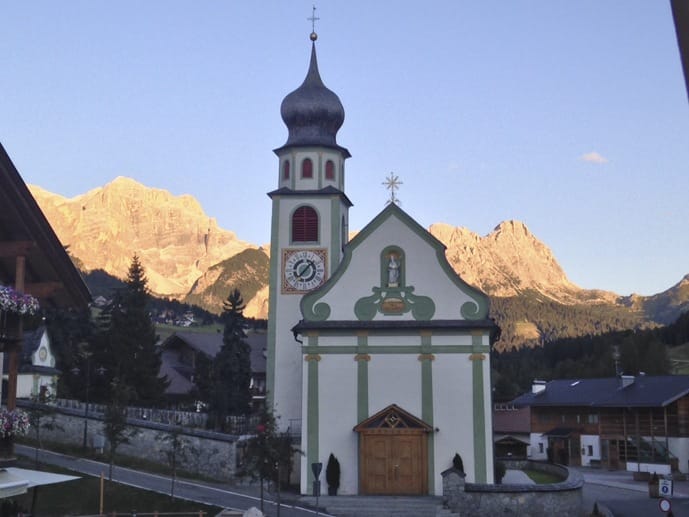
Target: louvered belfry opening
305, 225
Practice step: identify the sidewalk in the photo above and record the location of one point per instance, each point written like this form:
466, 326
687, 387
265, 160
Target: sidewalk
625, 480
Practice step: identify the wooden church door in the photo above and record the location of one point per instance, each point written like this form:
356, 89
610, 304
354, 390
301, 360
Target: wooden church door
393, 454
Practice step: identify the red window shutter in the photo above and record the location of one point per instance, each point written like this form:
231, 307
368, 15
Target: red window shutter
285, 170
329, 170
304, 225
307, 168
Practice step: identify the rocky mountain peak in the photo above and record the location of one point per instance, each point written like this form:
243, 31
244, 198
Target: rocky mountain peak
175, 240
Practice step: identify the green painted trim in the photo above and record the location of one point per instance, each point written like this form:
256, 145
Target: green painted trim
362, 381
312, 431
475, 309
394, 349
335, 234
480, 460
273, 291
427, 407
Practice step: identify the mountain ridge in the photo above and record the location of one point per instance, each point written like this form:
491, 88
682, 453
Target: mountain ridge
186, 254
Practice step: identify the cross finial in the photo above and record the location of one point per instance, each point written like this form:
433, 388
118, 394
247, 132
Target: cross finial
392, 183
313, 19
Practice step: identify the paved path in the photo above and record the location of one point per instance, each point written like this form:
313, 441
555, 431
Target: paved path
516, 477
209, 493
617, 490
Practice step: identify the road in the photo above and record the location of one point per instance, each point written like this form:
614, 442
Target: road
197, 491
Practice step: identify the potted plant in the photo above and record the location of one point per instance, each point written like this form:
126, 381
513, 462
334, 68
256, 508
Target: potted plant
12, 423
457, 462
332, 474
500, 470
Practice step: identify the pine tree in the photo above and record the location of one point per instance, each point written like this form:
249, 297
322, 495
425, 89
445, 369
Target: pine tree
231, 371
129, 340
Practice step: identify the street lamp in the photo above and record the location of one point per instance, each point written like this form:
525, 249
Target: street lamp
76, 371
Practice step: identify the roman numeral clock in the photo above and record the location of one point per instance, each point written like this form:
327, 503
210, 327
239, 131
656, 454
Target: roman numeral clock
303, 269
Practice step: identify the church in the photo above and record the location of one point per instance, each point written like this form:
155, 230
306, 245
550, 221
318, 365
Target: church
377, 350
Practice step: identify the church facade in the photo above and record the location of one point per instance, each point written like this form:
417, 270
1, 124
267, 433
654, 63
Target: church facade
377, 350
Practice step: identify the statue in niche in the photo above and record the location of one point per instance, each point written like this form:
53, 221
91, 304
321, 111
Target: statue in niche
393, 271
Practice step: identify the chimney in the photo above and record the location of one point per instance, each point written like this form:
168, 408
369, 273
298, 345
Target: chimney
538, 386
627, 380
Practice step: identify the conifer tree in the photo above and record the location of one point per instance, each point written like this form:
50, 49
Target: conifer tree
129, 340
231, 370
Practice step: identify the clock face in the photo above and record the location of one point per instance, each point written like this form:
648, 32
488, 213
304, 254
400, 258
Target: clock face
303, 270
42, 353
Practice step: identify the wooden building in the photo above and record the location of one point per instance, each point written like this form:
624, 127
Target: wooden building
626, 422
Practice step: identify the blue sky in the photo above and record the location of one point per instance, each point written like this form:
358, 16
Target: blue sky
569, 116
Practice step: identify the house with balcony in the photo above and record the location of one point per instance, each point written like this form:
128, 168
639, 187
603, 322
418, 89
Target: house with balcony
635, 423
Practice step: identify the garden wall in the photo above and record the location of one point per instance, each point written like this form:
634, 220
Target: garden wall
564, 498
208, 453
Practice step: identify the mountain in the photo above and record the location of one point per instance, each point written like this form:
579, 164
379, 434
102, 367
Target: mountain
188, 257
175, 240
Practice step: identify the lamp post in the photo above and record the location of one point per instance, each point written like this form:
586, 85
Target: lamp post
76, 371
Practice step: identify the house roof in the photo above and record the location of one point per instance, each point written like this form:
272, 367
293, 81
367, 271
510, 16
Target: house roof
210, 343
642, 391
24, 231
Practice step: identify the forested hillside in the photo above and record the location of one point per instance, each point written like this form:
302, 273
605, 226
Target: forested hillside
631, 351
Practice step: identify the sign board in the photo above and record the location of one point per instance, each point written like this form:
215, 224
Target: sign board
316, 468
665, 487
664, 505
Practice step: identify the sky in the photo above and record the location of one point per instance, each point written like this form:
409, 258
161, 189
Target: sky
571, 117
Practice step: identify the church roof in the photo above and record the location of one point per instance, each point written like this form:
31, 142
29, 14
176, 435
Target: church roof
312, 113
327, 191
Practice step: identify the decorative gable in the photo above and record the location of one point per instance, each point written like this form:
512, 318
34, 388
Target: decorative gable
394, 270
393, 417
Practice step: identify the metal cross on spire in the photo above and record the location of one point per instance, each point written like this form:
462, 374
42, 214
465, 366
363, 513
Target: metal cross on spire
313, 20
392, 183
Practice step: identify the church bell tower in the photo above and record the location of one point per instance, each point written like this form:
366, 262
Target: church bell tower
309, 228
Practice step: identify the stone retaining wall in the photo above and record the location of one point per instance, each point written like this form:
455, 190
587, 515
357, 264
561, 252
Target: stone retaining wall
207, 453
564, 498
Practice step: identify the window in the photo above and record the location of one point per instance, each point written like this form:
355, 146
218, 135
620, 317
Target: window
590, 448
540, 447
307, 168
285, 170
592, 418
304, 225
329, 170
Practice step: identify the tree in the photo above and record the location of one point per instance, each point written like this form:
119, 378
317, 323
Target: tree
231, 370
269, 453
128, 348
177, 448
115, 426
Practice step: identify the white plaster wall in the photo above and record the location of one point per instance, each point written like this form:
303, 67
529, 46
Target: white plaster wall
338, 416
535, 454
24, 386
394, 340
288, 356
453, 411
680, 448
394, 379
451, 340
422, 271
594, 442
327, 341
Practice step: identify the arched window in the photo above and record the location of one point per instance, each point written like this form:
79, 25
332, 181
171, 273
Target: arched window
285, 170
329, 170
307, 168
304, 225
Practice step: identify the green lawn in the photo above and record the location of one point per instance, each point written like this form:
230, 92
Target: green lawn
542, 478
82, 497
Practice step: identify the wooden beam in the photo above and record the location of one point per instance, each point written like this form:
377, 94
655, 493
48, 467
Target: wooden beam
15, 248
42, 289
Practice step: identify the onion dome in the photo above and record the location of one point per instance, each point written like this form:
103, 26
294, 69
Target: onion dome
312, 113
